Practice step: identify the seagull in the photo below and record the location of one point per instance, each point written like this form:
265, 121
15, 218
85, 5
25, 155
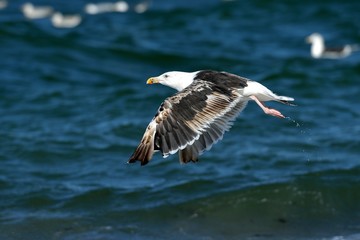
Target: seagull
34, 12
65, 21
106, 7
318, 49
121, 6
142, 7
197, 116
3, 4
96, 8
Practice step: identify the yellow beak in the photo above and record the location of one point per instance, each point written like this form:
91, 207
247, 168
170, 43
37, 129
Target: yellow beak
152, 80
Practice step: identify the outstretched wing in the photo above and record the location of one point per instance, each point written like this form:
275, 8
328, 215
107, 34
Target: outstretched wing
190, 121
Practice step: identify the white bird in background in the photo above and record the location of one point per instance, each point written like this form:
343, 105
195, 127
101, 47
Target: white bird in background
106, 7
69, 21
3, 4
65, 21
319, 50
34, 12
142, 7
121, 6
97, 8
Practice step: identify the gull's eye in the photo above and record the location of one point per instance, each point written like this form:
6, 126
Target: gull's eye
166, 76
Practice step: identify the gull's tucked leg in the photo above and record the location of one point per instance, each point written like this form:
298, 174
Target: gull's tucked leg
269, 111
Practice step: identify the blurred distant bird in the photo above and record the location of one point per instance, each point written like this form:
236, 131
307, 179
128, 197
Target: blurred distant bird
196, 117
3, 4
33, 12
319, 50
121, 6
105, 7
142, 7
65, 21
96, 8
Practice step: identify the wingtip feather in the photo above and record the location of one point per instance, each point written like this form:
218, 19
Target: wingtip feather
143, 153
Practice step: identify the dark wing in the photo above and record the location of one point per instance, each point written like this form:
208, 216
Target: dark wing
213, 133
335, 49
190, 121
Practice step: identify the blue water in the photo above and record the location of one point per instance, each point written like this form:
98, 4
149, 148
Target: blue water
74, 105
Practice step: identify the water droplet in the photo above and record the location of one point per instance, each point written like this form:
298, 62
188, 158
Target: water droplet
292, 120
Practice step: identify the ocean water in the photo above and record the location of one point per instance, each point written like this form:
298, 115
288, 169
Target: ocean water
74, 105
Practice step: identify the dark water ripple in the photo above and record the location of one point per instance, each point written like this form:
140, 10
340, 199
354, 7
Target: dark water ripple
74, 104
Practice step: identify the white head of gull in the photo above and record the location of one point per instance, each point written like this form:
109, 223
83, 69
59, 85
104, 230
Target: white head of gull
197, 116
174, 79
319, 50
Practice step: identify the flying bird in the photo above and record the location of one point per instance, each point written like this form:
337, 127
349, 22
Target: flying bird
196, 117
319, 50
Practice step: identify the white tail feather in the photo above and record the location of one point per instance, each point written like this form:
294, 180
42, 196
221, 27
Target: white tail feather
285, 98
263, 93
